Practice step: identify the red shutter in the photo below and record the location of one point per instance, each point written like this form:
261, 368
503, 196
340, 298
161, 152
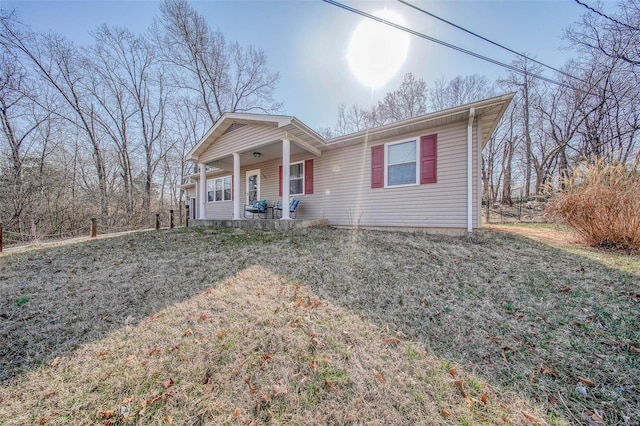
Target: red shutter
280, 180
308, 176
429, 159
377, 166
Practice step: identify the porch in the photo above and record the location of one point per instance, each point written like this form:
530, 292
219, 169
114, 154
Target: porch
245, 158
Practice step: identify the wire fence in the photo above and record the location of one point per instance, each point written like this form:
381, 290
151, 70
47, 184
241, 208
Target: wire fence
101, 225
522, 209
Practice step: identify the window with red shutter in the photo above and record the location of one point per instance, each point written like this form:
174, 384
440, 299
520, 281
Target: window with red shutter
377, 166
308, 176
429, 159
280, 180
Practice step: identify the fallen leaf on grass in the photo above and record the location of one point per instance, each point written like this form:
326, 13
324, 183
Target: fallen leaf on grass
549, 371
236, 412
446, 413
277, 390
169, 419
221, 334
634, 350
484, 398
552, 399
55, 361
252, 389
189, 332
168, 383
529, 416
378, 376
452, 371
153, 400
391, 340
155, 317
154, 351
107, 414
586, 381
592, 418
203, 317
43, 421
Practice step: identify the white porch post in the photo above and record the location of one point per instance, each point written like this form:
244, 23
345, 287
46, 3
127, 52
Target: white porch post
236, 186
202, 196
286, 160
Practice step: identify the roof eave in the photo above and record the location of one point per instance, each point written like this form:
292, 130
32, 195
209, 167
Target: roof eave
505, 99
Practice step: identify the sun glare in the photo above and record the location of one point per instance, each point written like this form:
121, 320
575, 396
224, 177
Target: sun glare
377, 51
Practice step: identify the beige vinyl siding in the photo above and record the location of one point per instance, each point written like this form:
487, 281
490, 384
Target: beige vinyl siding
247, 137
343, 194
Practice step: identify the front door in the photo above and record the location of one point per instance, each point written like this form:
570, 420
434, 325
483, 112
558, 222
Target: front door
253, 186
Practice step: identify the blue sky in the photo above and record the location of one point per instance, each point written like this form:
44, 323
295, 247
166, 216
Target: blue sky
306, 41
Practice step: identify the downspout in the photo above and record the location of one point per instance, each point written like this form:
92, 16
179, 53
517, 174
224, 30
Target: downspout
472, 113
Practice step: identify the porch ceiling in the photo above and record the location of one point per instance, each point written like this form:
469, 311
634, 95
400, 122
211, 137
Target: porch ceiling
269, 152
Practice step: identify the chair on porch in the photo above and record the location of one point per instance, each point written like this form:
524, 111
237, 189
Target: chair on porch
293, 208
259, 207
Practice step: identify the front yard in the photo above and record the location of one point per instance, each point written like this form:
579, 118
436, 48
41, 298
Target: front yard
319, 325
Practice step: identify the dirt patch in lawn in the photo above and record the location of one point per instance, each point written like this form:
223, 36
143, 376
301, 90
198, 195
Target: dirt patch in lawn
543, 323
256, 348
561, 237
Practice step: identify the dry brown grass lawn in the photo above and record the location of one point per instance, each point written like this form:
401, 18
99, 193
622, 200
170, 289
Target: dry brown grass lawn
540, 329
256, 348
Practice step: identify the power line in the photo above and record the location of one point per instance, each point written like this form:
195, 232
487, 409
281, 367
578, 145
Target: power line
597, 12
449, 45
488, 41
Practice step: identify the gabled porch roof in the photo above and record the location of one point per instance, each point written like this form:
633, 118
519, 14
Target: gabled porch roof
296, 130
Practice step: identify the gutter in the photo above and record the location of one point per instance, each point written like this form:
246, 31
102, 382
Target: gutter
472, 113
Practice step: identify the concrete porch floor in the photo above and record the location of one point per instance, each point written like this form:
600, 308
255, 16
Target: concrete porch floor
264, 224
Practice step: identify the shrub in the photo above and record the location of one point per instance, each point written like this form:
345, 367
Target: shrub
602, 203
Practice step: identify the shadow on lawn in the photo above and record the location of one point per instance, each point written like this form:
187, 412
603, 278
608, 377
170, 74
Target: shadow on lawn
549, 325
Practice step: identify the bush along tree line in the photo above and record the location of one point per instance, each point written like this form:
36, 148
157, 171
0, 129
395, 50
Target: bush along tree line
102, 130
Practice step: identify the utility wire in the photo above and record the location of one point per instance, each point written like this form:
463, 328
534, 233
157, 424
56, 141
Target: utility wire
597, 12
449, 45
488, 41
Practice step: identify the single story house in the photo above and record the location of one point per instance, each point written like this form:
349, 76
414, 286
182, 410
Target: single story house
423, 172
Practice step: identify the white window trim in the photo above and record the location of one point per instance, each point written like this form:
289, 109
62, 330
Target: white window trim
303, 177
386, 163
222, 178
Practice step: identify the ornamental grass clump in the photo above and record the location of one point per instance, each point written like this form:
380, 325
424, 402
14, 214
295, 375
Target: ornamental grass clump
602, 203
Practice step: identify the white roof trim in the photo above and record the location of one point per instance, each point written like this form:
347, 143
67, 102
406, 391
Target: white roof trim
279, 120
286, 120
426, 118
